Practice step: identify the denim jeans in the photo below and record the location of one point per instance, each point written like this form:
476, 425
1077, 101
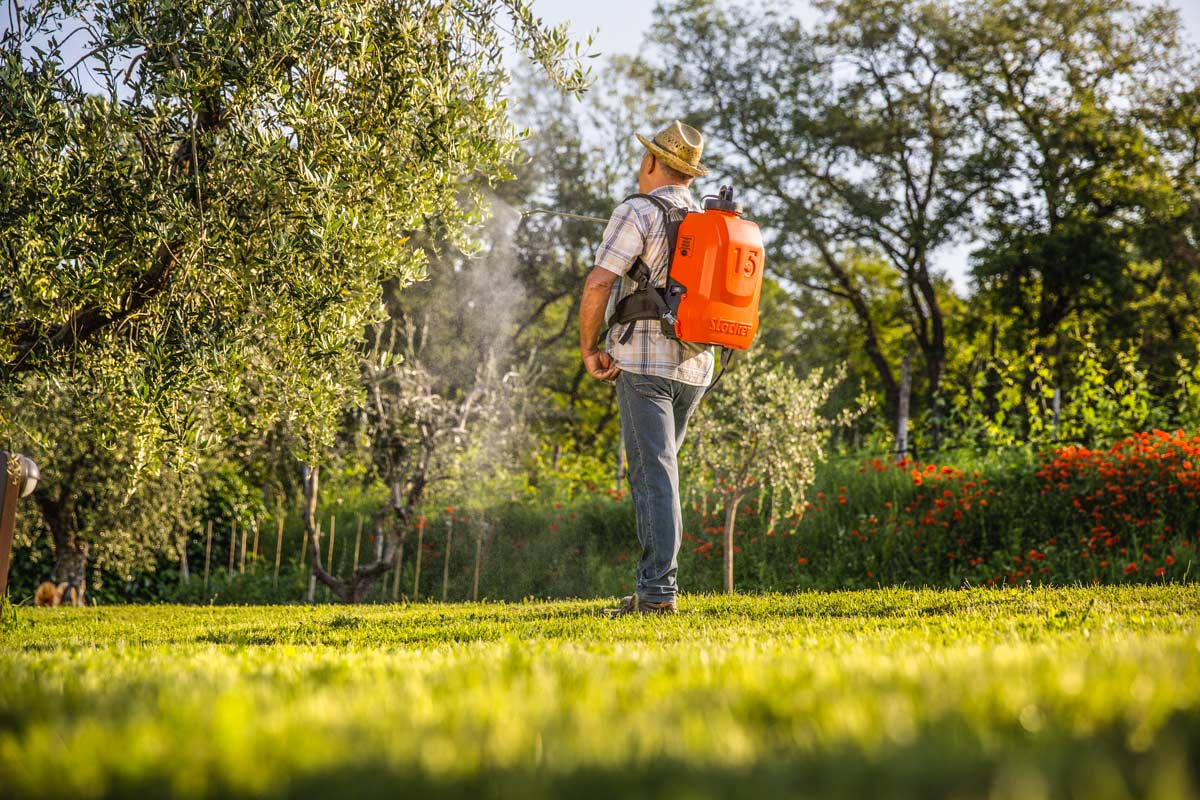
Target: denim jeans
654, 417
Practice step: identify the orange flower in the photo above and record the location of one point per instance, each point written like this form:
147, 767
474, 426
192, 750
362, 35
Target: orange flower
1158, 573
1131, 568
801, 560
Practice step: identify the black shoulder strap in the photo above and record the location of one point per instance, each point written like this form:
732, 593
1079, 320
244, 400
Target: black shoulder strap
672, 217
648, 301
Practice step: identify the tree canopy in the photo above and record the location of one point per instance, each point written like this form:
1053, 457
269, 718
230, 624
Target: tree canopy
204, 205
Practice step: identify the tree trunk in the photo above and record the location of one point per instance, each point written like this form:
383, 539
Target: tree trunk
70, 567
70, 554
312, 531
731, 504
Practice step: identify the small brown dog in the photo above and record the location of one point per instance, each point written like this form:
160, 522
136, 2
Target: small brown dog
50, 595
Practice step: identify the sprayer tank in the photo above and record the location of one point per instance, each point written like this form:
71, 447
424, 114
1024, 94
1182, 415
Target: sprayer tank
719, 261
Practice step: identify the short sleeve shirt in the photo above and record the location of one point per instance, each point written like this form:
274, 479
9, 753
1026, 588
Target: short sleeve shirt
637, 228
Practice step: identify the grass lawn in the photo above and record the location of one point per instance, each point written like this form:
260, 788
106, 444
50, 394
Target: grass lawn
1081, 693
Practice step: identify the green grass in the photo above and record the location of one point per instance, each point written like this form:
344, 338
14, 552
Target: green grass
1088, 693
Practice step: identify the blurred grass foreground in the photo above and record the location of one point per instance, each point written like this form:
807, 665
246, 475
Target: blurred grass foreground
1018, 693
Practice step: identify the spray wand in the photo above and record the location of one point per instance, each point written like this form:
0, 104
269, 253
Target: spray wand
553, 213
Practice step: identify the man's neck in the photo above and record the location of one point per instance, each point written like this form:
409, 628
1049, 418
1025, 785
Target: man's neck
664, 185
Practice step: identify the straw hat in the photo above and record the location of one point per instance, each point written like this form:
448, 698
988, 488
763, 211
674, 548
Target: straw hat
678, 146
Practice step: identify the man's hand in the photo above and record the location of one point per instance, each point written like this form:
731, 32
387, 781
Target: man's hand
600, 365
596, 288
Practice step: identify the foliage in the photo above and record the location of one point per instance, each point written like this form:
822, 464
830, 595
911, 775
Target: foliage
1079, 110
1082, 394
763, 432
95, 496
213, 222
968, 694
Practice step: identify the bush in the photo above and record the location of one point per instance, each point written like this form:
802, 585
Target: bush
1121, 514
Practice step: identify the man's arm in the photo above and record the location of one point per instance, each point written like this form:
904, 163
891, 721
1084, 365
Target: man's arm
596, 289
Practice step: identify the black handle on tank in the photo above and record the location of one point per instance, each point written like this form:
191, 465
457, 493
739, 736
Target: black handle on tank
723, 201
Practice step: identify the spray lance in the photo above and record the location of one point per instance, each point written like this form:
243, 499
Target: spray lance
553, 213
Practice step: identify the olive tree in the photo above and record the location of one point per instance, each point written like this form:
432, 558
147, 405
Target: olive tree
763, 430
422, 428
200, 200
221, 199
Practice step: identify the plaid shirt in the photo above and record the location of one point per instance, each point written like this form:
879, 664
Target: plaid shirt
637, 228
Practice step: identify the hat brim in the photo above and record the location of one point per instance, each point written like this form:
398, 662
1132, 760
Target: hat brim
673, 161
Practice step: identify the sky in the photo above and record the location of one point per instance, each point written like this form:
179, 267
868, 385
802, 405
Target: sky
618, 26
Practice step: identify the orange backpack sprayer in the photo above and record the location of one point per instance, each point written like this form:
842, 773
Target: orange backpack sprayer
714, 276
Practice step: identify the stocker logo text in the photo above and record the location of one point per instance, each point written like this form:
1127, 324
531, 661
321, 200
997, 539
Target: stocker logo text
729, 326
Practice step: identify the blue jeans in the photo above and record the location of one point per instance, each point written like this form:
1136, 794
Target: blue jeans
654, 417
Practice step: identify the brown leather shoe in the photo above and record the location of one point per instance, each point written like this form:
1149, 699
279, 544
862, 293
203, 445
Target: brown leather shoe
631, 604
665, 607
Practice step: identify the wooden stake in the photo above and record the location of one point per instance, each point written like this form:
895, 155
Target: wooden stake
207, 556
446, 560
357, 542
278, 542
329, 567
312, 578
232, 545
417, 567
332, 533
242, 562
478, 564
902, 413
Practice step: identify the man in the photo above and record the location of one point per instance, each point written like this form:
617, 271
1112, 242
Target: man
659, 380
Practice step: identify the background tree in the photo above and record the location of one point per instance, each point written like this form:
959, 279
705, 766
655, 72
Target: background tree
856, 143
441, 410
1068, 88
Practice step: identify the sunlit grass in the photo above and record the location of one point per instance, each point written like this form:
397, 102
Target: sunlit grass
1019, 693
